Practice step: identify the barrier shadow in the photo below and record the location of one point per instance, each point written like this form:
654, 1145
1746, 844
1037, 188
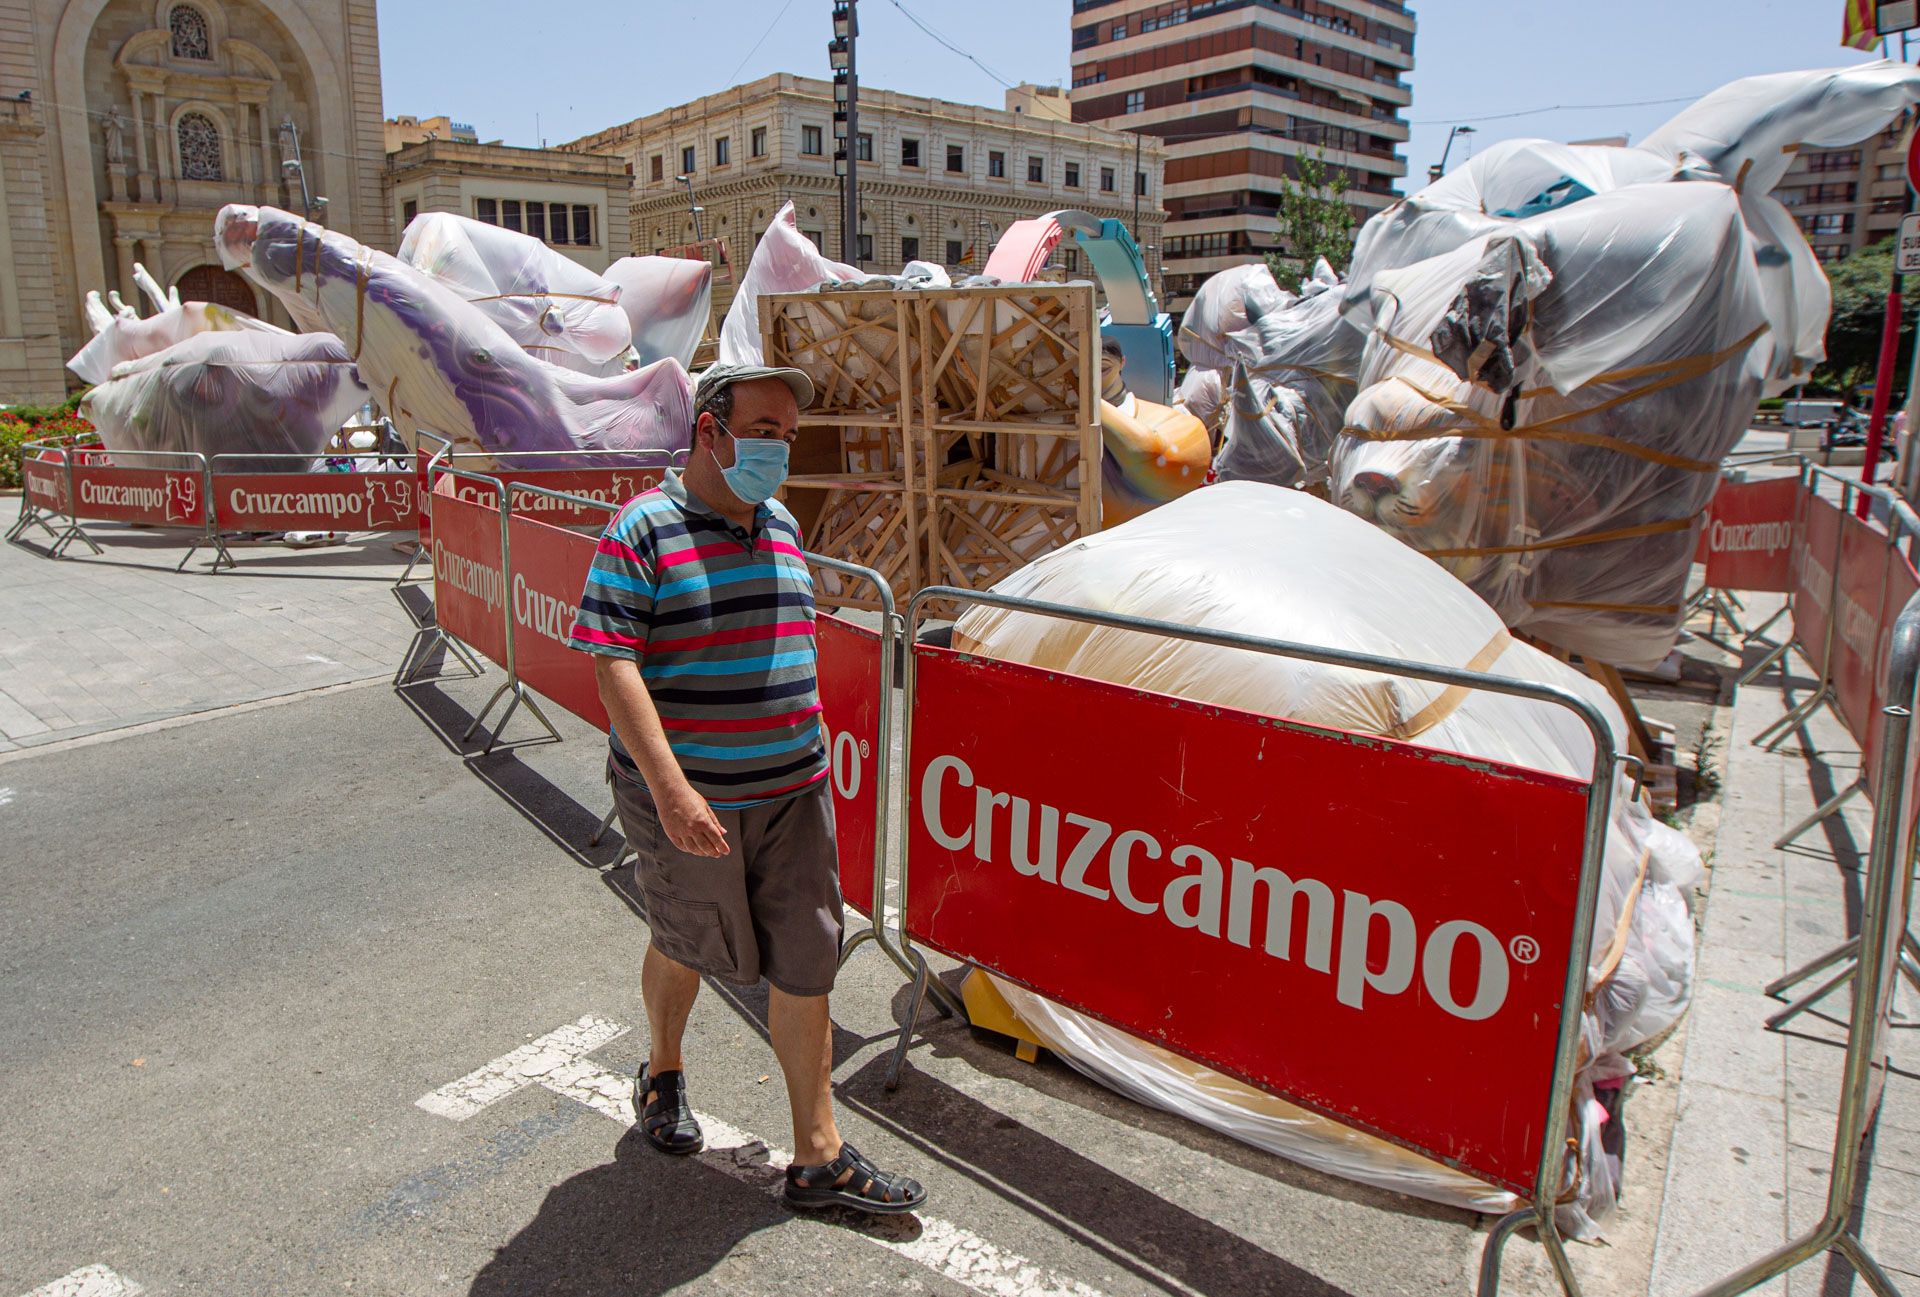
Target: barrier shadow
1053, 1077
542, 803
1136, 1229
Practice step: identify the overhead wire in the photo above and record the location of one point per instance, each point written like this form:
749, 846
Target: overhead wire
734, 76
917, 22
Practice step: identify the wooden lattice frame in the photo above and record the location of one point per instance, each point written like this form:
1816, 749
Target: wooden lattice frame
981, 469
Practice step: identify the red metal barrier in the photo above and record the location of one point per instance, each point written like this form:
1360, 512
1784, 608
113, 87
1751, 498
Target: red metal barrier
468, 581
1813, 576
1194, 875
156, 497
549, 567
1860, 592
1747, 542
851, 690
43, 478
315, 501
607, 488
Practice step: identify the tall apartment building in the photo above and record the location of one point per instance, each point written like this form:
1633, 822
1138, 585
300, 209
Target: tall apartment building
1237, 90
1845, 199
939, 181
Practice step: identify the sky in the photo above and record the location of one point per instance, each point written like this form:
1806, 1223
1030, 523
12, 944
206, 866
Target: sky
524, 73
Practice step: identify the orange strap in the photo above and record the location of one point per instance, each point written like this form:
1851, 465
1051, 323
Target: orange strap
1566, 542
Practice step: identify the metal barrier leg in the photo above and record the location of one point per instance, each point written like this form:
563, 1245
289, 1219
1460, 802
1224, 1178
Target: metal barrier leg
423, 641
1823, 810
1759, 668
518, 695
1758, 634
1814, 996
1796, 718
1848, 949
407, 571
854, 943
606, 822
1869, 1269
74, 531
921, 977
1495, 1247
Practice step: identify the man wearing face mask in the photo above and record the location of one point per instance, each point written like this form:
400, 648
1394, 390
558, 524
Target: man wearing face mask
699, 613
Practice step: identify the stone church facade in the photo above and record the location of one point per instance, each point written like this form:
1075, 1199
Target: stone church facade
125, 125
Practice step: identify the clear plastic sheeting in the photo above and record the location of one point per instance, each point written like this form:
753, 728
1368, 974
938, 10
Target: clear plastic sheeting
554, 307
1285, 364
1544, 409
784, 262
230, 393
437, 361
668, 302
1260, 560
121, 335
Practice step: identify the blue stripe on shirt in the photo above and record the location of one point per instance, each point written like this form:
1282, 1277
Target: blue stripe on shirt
730, 667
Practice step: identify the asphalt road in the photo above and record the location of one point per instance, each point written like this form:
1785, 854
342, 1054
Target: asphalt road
237, 952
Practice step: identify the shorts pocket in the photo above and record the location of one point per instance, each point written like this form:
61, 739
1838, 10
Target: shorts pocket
693, 933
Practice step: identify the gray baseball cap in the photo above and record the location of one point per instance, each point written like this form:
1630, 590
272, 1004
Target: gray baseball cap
716, 377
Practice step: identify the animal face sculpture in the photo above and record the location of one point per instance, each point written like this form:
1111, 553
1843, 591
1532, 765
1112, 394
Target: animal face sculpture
436, 362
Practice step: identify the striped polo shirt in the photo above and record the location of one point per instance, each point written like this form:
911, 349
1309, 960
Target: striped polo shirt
721, 622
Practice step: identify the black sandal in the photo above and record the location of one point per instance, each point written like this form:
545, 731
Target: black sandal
850, 1180
666, 1120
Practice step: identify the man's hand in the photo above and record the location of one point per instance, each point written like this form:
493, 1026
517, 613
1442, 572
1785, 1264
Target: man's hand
689, 822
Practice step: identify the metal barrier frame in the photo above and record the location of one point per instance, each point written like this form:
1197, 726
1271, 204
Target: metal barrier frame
217, 537
1883, 938
1551, 1174
32, 515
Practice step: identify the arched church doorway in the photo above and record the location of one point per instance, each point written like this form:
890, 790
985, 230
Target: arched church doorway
222, 287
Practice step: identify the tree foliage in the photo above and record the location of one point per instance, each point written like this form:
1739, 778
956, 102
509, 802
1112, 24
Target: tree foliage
1315, 221
1860, 284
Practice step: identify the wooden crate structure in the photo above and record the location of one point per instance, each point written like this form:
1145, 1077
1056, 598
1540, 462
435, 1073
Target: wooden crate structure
947, 443
849, 482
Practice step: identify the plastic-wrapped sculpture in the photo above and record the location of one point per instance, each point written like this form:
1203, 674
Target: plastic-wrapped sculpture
1263, 560
784, 262
554, 307
1556, 465
436, 361
120, 334
231, 393
668, 301
1151, 453
1285, 363
1545, 409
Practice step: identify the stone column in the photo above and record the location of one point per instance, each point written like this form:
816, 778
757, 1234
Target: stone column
269, 172
124, 258
140, 139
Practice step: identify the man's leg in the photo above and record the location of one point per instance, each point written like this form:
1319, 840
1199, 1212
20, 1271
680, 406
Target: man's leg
667, 988
803, 1042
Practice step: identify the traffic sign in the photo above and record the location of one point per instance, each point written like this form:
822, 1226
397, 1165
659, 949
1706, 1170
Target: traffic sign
1906, 257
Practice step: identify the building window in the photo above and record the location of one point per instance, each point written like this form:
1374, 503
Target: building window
956, 158
1106, 180
954, 252
818, 239
1140, 184
909, 153
583, 226
1036, 169
723, 151
1073, 260
810, 140
486, 211
199, 141
659, 166
1119, 32
909, 248
510, 214
1136, 101
997, 163
1846, 160
686, 160
188, 27
1073, 175
409, 210
537, 221
1828, 223
863, 148
863, 248
758, 142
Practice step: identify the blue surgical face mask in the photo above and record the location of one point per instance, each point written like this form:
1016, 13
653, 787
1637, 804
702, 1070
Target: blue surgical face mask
759, 466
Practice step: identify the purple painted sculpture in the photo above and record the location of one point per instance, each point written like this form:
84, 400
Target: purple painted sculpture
436, 363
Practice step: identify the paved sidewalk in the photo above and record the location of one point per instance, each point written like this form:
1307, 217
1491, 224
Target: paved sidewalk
1749, 1163
96, 643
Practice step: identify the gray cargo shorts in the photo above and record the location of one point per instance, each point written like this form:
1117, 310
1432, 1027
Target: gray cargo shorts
768, 908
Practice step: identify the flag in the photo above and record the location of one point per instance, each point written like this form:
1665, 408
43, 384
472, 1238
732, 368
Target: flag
1858, 28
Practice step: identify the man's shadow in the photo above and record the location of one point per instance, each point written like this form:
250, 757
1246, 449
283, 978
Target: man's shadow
641, 1224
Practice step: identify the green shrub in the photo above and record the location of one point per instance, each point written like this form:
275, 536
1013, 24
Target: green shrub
24, 423
14, 434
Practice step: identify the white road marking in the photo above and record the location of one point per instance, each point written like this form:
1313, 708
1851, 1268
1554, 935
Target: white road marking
88, 1281
555, 1062
531, 1064
6, 796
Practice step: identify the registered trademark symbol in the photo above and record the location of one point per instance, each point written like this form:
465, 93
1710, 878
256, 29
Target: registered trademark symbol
1524, 950
863, 747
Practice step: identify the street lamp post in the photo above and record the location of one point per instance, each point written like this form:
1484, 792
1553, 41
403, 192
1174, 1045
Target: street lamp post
1439, 168
846, 125
693, 207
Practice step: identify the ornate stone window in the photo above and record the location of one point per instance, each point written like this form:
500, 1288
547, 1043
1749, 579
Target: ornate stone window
189, 29
199, 141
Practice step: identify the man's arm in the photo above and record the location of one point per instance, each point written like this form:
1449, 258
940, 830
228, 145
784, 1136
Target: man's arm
689, 822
